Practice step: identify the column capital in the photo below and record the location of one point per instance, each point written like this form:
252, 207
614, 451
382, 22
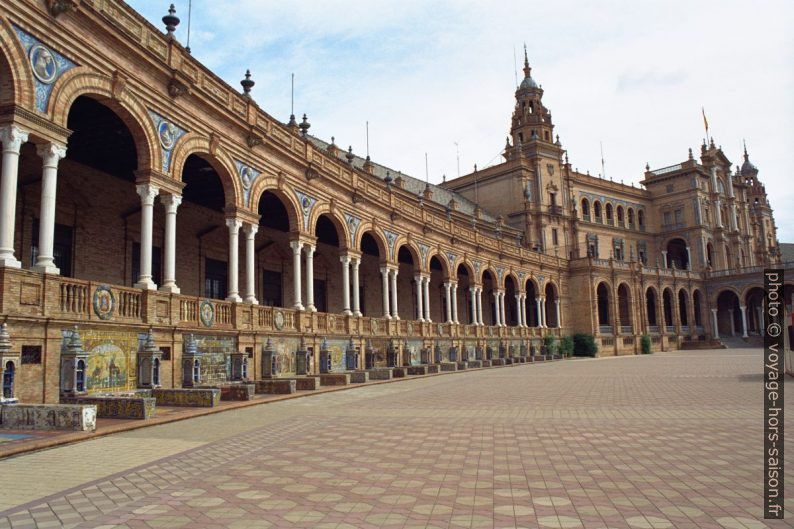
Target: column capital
12, 138
171, 201
344, 259
147, 192
310, 247
233, 224
51, 153
250, 228
296, 246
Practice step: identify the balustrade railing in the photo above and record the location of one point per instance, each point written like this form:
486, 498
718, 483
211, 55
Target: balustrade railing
626, 329
74, 297
129, 303
605, 329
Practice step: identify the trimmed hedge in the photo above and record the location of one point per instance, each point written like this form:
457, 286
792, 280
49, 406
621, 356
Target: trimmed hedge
566, 346
645, 343
584, 345
551, 345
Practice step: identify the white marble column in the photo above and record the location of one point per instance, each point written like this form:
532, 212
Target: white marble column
427, 299
539, 312
51, 154
518, 311
664, 258
455, 302
384, 272
497, 312
503, 315
297, 247
310, 278
171, 203
12, 137
234, 263
250, 263
759, 311
733, 325
524, 310
543, 312
356, 300
420, 296
447, 293
473, 303
557, 310
688, 259
345, 259
394, 312
479, 306
715, 322
147, 193
743, 308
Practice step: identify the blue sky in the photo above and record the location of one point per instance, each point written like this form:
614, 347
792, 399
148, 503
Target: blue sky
630, 74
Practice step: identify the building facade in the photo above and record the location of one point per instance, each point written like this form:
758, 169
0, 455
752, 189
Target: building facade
142, 196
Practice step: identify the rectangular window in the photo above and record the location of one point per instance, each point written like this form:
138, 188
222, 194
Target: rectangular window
215, 278
668, 218
157, 264
61, 247
165, 353
271, 289
31, 354
554, 239
679, 216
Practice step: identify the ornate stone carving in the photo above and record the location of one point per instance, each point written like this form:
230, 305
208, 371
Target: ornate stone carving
47, 66
118, 85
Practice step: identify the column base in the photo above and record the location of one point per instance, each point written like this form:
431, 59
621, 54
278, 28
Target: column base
145, 284
311, 308
357, 314
298, 306
170, 289
386, 317
252, 300
9, 262
396, 318
347, 312
234, 298
47, 269
421, 320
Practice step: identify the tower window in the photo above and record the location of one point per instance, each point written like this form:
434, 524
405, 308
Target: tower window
546, 135
554, 237
521, 137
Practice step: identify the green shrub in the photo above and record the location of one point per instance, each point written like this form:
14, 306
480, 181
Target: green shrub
584, 345
551, 344
566, 346
645, 343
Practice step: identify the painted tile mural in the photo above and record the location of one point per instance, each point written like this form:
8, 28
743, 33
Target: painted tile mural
285, 355
337, 348
414, 349
445, 345
215, 360
471, 348
111, 358
379, 347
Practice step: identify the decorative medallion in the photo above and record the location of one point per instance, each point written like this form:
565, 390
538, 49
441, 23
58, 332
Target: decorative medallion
373, 326
391, 238
452, 258
540, 281
500, 271
440, 329
513, 331
104, 302
477, 265
521, 276
490, 331
278, 319
307, 205
353, 223
47, 66
168, 134
207, 313
410, 327
248, 176
331, 322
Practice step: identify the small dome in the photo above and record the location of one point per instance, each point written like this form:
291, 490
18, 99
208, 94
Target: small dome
748, 167
528, 83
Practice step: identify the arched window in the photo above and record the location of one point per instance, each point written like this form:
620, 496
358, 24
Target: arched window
597, 210
631, 218
609, 212
620, 216
585, 209
156, 372
8, 381
79, 376
196, 371
641, 218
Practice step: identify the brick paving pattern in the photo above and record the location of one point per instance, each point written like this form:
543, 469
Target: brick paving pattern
670, 440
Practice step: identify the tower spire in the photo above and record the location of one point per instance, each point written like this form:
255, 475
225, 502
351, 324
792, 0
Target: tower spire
746, 157
527, 69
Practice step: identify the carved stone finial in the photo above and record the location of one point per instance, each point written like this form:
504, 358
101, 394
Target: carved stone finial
304, 126
171, 21
350, 156
247, 84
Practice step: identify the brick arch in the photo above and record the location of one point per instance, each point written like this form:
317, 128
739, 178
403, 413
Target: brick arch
492, 270
83, 82
416, 255
342, 230
284, 193
377, 234
746, 290
446, 269
718, 291
17, 86
535, 284
465, 263
512, 275
554, 286
193, 143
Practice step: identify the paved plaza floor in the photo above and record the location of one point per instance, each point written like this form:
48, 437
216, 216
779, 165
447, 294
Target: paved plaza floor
670, 440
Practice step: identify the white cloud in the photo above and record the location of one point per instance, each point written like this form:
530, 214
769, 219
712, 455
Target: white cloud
426, 74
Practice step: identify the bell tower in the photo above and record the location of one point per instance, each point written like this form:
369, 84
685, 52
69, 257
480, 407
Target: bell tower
531, 120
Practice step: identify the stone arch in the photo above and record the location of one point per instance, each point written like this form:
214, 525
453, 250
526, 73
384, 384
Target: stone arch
597, 213
609, 213
651, 305
492, 270
604, 305
512, 275
683, 306
220, 161
341, 226
625, 304
668, 306
585, 208
16, 78
413, 249
284, 194
677, 255
468, 267
82, 82
534, 282
698, 307
719, 292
